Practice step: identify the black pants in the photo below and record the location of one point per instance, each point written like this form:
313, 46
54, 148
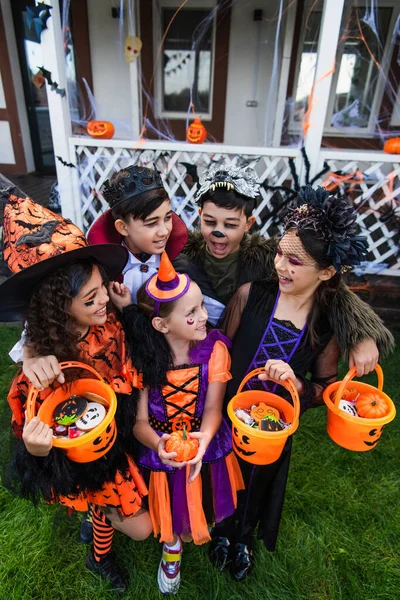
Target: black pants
261, 503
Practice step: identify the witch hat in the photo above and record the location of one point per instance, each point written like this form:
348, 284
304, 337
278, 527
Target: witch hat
37, 242
166, 285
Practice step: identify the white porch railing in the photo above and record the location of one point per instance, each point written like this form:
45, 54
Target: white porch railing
377, 187
96, 160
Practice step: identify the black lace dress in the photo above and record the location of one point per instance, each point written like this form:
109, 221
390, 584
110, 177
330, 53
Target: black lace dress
258, 336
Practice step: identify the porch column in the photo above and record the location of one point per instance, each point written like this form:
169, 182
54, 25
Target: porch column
319, 97
60, 118
134, 71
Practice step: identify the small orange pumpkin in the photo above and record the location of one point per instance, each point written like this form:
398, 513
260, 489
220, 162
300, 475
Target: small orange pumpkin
262, 411
196, 132
184, 446
103, 130
371, 406
392, 146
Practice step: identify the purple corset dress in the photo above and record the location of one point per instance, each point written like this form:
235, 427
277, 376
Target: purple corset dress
164, 409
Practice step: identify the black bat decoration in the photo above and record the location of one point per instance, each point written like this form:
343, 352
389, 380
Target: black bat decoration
64, 162
37, 16
191, 171
41, 236
53, 84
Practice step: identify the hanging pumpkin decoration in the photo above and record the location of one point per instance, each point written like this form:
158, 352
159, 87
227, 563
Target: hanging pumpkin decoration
392, 146
103, 130
371, 406
184, 446
196, 132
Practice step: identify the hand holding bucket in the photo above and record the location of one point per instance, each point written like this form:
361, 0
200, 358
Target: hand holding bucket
352, 432
95, 443
253, 445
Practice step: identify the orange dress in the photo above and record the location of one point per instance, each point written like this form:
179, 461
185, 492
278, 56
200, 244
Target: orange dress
113, 481
175, 505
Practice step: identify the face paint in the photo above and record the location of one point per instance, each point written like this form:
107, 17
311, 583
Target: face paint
218, 234
190, 321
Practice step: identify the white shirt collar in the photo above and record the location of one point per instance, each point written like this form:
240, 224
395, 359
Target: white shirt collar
133, 262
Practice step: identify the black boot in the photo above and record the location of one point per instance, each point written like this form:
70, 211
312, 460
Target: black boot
108, 569
242, 561
86, 530
220, 552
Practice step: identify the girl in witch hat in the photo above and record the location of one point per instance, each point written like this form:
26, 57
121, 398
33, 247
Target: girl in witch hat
170, 342
59, 287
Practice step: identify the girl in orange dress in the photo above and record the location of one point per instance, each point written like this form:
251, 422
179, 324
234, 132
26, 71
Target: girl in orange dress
59, 288
170, 342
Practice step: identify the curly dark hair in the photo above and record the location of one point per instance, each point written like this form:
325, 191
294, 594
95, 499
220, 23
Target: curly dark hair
50, 327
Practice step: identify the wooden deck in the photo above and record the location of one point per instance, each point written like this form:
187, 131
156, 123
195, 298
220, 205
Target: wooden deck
35, 186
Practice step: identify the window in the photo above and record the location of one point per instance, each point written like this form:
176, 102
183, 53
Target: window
185, 69
362, 57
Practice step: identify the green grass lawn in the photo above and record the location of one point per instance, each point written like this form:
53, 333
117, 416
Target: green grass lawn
339, 539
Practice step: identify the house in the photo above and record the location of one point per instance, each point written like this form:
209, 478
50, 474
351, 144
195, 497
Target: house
266, 78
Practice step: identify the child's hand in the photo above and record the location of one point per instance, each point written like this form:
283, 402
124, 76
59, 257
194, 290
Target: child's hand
167, 457
119, 295
42, 371
364, 356
38, 437
278, 371
196, 462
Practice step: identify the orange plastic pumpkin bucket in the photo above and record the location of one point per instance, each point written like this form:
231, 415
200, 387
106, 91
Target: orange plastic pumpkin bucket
95, 443
349, 431
253, 445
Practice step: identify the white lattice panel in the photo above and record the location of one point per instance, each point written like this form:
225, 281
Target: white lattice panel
379, 188
97, 163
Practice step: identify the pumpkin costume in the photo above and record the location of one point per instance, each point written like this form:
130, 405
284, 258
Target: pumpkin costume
37, 244
175, 505
112, 481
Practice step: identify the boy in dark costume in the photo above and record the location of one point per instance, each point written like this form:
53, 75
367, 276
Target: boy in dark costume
223, 255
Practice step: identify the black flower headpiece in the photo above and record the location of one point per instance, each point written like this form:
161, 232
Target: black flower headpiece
332, 219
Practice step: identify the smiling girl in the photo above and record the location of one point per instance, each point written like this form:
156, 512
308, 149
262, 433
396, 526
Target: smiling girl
283, 323
170, 341
63, 297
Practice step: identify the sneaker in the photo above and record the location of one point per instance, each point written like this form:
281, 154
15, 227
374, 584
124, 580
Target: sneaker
108, 569
169, 571
220, 552
86, 530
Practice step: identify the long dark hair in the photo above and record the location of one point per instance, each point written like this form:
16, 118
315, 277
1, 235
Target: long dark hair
149, 350
318, 250
50, 326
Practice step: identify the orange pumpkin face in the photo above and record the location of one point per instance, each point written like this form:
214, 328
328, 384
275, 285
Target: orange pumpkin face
374, 436
242, 444
103, 130
392, 146
371, 406
185, 447
196, 132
